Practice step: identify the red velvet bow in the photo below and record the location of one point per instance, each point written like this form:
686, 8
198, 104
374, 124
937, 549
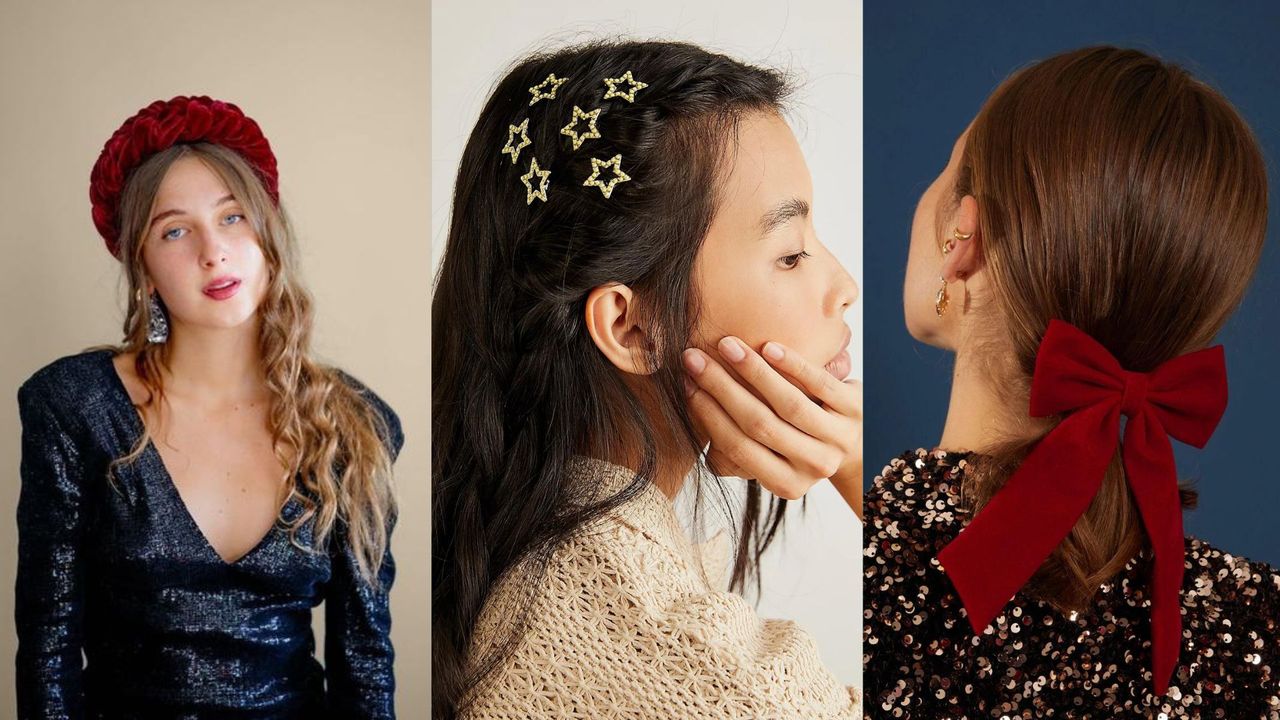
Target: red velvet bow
995, 555
158, 126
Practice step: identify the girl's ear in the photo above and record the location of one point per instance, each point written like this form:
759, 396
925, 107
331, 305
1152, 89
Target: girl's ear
612, 321
965, 258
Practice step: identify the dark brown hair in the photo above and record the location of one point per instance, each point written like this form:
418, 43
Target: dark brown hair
1120, 194
518, 386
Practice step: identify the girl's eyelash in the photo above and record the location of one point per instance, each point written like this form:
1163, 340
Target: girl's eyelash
793, 260
166, 234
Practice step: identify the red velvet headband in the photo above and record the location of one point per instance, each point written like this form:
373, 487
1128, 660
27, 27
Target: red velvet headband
161, 125
1184, 398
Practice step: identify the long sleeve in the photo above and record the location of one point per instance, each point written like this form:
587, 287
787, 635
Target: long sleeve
49, 607
358, 651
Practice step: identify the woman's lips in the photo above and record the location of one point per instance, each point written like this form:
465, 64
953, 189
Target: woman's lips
841, 365
222, 288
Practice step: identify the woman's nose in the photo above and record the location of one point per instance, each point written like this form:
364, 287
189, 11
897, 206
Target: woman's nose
844, 290
213, 251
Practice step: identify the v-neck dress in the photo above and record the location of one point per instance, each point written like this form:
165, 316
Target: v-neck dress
124, 609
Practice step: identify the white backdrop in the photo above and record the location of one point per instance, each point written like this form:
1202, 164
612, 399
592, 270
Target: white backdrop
813, 575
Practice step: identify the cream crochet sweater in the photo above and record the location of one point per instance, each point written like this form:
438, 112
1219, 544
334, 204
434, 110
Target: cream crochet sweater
626, 623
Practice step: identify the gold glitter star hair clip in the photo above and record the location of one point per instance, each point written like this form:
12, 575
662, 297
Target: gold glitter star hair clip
539, 91
518, 137
512, 149
581, 137
615, 163
634, 86
544, 179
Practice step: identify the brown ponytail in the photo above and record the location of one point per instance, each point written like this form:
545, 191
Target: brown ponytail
1121, 195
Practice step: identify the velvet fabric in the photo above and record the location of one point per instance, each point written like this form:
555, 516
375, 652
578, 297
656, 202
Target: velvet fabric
161, 125
1026, 519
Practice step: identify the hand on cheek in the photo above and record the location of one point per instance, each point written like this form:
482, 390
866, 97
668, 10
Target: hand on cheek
769, 427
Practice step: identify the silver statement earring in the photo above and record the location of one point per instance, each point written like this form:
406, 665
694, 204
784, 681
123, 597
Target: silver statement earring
158, 322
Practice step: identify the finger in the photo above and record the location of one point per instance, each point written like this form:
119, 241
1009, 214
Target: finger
751, 459
717, 462
857, 396
722, 465
758, 421
787, 400
815, 379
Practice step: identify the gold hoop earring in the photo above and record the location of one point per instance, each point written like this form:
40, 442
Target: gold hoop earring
940, 300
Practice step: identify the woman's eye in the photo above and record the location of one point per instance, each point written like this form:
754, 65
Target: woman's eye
232, 219
790, 261
173, 233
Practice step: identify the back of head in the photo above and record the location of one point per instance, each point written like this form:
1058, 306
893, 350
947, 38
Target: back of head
518, 385
1121, 195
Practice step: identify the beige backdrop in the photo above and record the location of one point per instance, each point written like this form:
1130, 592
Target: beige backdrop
341, 91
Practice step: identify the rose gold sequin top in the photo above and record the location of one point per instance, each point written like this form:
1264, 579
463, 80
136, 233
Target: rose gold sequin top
922, 660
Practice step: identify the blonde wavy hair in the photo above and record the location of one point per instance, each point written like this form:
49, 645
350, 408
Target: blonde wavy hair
329, 438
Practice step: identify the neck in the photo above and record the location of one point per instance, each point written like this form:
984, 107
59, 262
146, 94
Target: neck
673, 465
674, 460
673, 470
974, 410
215, 365
985, 412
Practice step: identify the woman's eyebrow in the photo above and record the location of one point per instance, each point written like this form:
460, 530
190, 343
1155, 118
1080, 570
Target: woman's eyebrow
782, 214
160, 216
170, 213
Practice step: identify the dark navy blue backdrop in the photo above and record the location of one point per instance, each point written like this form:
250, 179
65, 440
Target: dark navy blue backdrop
929, 67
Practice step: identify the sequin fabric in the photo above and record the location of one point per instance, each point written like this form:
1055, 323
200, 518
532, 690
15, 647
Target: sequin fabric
922, 660
124, 610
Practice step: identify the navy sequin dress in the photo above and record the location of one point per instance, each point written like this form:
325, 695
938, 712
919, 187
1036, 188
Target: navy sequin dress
921, 659
123, 608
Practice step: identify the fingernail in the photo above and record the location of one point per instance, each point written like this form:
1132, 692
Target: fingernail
732, 349
773, 351
689, 387
693, 361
